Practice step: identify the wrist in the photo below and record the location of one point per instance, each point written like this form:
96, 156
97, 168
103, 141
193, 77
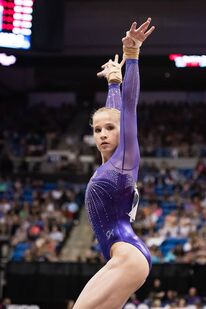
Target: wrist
112, 85
114, 75
131, 52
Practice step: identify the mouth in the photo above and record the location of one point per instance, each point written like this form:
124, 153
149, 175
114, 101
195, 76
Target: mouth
104, 143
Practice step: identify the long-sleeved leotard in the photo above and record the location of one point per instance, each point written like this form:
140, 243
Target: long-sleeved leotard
110, 191
114, 97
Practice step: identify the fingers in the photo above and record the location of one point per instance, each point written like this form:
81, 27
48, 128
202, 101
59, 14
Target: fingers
149, 31
106, 64
145, 25
133, 26
101, 74
122, 62
140, 33
109, 65
116, 58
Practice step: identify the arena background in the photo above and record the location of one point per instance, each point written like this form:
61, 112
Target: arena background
47, 154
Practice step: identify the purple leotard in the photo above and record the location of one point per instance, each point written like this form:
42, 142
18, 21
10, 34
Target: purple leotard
110, 191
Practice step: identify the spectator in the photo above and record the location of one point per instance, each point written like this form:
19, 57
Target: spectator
193, 298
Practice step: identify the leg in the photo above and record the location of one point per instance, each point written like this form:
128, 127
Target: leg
116, 281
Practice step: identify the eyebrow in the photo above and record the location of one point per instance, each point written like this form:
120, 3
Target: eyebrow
108, 123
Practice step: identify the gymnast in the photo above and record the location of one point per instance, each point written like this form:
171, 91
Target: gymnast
111, 197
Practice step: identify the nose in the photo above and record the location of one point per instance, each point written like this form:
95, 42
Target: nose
103, 134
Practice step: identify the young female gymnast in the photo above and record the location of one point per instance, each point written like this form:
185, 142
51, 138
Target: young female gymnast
111, 198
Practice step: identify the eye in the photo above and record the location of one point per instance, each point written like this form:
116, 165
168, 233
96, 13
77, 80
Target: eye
110, 127
97, 130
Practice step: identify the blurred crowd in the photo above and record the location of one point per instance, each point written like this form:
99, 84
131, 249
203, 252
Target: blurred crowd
165, 130
36, 217
157, 298
31, 130
167, 298
172, 129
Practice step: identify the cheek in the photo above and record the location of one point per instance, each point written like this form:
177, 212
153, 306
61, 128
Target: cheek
96, 140
117, 137
118, 134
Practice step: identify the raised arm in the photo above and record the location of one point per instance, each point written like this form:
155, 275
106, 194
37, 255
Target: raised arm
127, 154
114, 97
112, 71
128, 121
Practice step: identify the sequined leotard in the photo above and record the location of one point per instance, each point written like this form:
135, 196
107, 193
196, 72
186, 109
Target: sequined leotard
110, 191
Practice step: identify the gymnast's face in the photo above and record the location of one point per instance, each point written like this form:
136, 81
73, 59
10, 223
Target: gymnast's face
106, 131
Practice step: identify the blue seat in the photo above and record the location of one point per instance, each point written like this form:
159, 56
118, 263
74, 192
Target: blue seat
19, 251
167, 207
187, 172
171, 243
159, 190
48, 186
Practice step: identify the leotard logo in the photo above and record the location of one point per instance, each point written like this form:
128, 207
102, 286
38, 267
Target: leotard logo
110, 233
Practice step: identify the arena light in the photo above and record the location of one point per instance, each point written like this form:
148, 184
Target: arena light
7, 60
183, 61
16, 23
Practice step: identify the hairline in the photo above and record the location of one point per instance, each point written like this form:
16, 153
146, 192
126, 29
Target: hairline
104, 109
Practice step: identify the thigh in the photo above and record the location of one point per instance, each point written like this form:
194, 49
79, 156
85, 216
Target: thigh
130, 255
112, 285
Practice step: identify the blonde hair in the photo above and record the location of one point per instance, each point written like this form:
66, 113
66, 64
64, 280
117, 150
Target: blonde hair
104, 109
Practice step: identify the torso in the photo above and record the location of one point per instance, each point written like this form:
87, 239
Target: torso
109, 197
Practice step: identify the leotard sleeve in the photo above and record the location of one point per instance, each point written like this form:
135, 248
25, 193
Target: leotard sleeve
127, 154
114, 98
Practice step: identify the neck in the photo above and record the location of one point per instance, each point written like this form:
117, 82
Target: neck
105, 158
